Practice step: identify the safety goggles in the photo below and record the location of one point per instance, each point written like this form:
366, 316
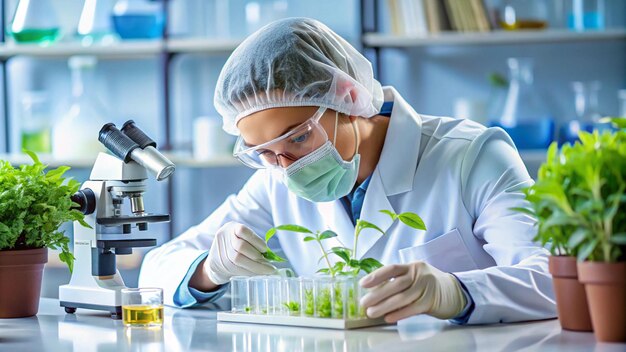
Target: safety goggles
291, 146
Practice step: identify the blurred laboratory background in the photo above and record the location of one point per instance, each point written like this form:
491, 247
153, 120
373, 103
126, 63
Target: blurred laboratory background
541, 69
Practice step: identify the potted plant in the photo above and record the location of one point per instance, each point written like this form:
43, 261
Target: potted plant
547, 197
580, 202
33, 205
325, 298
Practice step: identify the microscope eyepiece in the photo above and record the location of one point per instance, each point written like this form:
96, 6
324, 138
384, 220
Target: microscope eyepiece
117, 142
137, 135
131, 143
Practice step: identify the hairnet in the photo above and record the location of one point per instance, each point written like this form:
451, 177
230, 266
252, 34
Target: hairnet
295, 62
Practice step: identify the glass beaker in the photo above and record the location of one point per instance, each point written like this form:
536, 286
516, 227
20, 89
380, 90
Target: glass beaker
586, 15
138, 19
142, 307
524, 116
34, 21
36, 120
95, 21
587, 115
523, 14
75, 135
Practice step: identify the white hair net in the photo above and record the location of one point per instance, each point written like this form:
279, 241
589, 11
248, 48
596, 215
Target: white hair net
295, 62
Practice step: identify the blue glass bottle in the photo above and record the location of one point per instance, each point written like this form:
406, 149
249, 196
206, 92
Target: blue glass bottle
138, 19
524, 116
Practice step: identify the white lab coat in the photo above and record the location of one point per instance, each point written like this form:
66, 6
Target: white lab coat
459, 176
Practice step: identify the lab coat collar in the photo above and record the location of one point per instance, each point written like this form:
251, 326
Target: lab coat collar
398, 159
395, 171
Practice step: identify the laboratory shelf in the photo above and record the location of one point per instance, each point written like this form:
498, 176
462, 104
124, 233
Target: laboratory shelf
181, 160
202, 46
382, 40
113, 50
127, 49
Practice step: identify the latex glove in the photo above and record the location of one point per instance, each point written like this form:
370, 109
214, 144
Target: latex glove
401, 291
236, 250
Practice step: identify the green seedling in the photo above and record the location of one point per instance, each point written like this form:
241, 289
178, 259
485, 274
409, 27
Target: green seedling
292, 307
348, 265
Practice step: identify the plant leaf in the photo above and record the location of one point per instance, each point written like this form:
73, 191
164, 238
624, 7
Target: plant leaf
33, 156
269, 234
272, 257
413, 220
577, 237
294, 228
341, 252
619, 238
391, 214
309, 238
327, 234
324, 271
586, 250
362, 224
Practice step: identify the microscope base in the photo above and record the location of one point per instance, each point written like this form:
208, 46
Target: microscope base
70, 308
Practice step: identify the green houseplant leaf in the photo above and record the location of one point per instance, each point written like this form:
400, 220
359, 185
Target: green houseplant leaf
579, 198
34, 203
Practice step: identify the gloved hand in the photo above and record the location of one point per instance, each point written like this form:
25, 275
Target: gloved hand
236, 250
401, 291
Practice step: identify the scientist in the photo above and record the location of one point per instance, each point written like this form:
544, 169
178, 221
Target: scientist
332, 146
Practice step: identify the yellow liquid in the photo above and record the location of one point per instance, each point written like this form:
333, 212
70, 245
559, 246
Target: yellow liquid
142, 315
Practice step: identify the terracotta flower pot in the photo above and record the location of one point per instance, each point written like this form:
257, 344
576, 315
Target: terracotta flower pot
605, 284
20, 281
571, 300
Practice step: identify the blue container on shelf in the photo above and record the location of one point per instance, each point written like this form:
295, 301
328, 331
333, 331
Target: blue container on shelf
523, 114
537, 134
138, 19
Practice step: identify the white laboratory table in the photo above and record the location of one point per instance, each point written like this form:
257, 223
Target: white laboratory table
197, 330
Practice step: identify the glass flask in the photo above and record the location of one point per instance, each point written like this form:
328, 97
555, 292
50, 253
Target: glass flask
75, 135
138, 19
586, 15
95, 21
36, 120
523, 14
524, 116
34, 21
587, 115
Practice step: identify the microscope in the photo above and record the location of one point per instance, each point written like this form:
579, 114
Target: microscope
96, 283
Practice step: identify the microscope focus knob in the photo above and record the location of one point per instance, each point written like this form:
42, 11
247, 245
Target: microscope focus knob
86, 200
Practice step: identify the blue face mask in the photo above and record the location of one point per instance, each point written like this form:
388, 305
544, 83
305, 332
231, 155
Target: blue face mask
323, 175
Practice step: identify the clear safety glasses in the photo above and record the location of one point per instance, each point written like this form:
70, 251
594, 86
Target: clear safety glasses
291, 146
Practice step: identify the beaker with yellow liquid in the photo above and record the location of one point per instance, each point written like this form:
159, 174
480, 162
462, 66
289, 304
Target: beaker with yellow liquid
142, 307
